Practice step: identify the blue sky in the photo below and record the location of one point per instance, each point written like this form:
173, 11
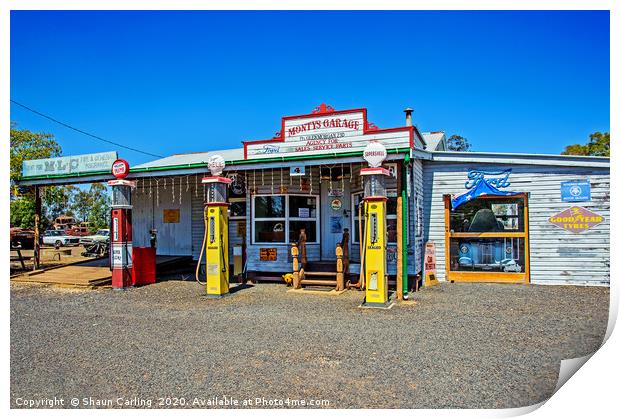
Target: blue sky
177, 82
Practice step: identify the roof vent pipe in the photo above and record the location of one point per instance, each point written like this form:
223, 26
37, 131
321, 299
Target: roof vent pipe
408, 120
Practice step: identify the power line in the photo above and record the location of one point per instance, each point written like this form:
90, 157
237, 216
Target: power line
83, 132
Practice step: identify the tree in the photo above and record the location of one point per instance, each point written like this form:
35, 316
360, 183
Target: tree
99, 216
597, 146
56, 200
28, 145
22, 213
458, 143
92, 206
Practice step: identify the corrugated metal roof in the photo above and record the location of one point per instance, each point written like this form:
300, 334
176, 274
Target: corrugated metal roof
193, 158
433, 139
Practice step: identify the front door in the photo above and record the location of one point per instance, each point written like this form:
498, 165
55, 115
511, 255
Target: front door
335, 216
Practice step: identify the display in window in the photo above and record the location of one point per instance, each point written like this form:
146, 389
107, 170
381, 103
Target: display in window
302, 206
488, 216
238, 208
488, 254
295, 227
269, 206
269, 231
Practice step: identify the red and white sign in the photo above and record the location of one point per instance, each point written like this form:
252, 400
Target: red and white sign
375, 153
327, 131
120, 169
576, 219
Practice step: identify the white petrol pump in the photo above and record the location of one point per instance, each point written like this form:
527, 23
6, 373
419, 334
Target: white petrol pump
215, 241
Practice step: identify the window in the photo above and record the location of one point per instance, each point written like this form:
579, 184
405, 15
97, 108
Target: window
488, 236
237, 208
280, 218
302, 214
488, 215
390, 207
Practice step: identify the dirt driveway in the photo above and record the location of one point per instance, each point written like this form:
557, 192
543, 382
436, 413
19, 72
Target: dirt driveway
461, 345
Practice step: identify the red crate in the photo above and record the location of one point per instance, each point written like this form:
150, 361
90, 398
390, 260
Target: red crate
143, 261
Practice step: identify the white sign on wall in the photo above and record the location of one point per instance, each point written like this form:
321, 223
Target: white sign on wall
97, 162
330, 133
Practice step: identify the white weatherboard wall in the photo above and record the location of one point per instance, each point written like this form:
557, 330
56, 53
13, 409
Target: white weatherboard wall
173, 239
557, 256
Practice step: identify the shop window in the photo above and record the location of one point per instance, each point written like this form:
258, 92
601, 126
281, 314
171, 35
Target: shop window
280, 218
237, 208
487, 239
505, 254
390, 207
488, 215
270, 206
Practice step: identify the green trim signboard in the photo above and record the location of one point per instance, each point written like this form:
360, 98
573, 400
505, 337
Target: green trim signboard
67, 165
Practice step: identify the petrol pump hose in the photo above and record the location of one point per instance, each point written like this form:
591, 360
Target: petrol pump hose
360, 282
204, 242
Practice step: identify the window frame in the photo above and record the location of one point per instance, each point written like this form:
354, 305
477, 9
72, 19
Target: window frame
481, 276
287, 218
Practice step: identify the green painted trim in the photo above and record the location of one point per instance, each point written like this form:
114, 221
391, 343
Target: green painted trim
195, 165
405, 226
83, 174
314, 156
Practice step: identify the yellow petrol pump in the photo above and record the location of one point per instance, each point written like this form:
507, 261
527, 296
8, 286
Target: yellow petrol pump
215, 242
375, 233
375, 237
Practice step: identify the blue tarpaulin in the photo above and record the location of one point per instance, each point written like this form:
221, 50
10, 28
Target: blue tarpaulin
482, 188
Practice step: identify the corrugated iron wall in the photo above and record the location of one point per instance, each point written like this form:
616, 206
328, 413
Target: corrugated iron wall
557, 256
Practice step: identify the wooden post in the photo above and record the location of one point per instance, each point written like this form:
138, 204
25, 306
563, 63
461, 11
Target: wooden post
302, 247
339, 269
295, 254
399, 248
37, 233
345, 251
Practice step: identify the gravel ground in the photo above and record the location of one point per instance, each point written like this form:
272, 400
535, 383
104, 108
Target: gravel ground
460, 346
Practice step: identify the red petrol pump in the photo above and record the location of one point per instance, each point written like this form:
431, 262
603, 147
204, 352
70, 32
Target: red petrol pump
120, 226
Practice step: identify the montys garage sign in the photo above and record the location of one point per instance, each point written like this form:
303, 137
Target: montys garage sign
576, 219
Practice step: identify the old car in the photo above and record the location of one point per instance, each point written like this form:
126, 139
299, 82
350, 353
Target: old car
102, 235
59, 238
77, 231
22, 238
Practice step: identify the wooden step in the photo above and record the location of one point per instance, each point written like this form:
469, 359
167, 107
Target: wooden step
320, 273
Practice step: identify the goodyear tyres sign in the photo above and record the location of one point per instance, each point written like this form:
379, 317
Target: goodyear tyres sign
576, 219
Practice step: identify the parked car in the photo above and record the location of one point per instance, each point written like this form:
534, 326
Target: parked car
59, 238
22, 237
102, 235
77, 231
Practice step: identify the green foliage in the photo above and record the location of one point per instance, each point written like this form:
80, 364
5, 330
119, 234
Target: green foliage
598, 146
56, 200
458, 143
92, 206
22, 213
28, 145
